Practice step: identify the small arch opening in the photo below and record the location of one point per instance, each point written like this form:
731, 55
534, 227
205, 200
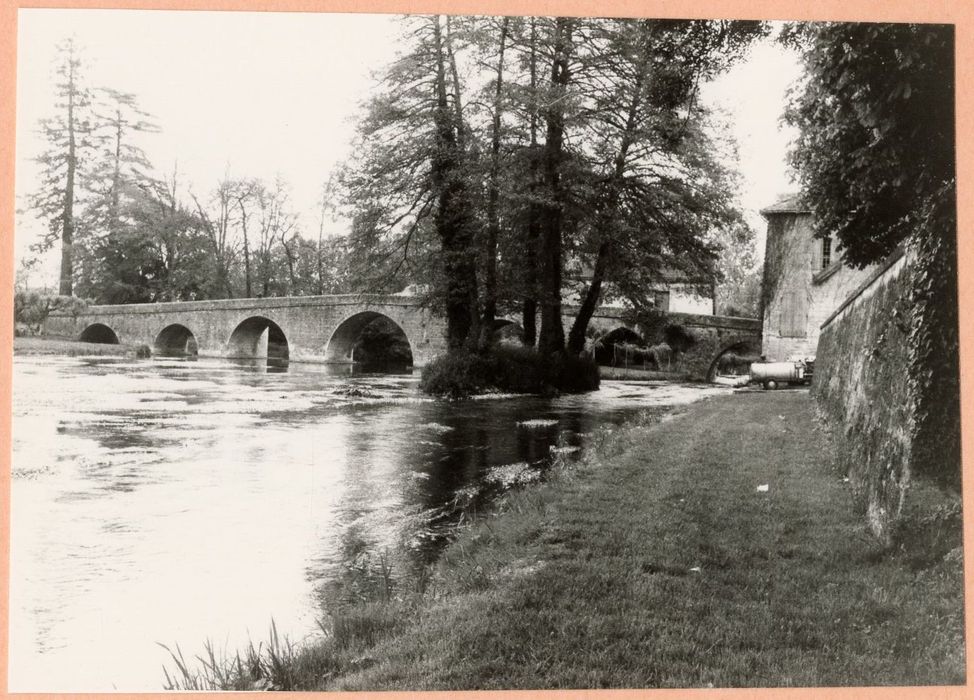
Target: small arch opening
99, 333
734, 360
176, 340
259, 337
372, 342
621, 347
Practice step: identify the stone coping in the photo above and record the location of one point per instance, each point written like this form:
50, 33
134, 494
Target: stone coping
687, 319
881, 270
367, 300
248, 303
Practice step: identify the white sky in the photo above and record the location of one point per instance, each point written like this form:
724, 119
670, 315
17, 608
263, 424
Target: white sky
267, 94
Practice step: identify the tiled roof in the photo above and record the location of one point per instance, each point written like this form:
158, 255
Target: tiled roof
788, 204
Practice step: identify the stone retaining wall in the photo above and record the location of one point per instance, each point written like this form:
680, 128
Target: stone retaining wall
862, 388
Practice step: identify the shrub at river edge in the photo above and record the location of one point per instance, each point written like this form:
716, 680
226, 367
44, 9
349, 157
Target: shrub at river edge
508, 368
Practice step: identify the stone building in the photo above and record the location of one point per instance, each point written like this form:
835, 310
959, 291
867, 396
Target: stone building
672, 291
676, 292
804, 281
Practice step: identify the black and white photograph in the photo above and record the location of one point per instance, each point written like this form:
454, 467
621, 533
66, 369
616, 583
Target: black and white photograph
369, 352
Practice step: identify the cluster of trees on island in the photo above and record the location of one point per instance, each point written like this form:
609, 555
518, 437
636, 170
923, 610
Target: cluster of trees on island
504, 158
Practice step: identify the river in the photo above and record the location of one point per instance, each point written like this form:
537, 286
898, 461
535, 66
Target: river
171, 501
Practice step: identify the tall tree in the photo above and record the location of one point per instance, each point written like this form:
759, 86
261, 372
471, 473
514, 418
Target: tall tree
119, 162
652, 160
410, 188
493, 193
875, 120
453, 217
576, 136
529, 318
68, 148
218, 224
246, 193
118, 175
551, 337
277, 226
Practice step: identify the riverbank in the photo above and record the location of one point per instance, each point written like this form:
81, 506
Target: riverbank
45, 345
639, 374
718, 548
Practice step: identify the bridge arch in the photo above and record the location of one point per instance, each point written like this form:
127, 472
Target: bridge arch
741, 345
176, 340
258, 336
605, 348
370, 337
99, 333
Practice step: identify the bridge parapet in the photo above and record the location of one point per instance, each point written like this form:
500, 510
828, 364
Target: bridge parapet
705, 321
684, 319
314, 328
709, 336
251, 303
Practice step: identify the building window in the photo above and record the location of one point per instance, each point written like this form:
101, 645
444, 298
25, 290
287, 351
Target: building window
826, 252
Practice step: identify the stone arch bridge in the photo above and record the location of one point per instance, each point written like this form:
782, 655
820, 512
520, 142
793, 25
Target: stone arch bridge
711, 336
329, 328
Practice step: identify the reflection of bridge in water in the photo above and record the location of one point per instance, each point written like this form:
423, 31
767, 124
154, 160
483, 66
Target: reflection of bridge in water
330, 328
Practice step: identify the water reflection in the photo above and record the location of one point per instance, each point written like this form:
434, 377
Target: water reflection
261, 365
174, 500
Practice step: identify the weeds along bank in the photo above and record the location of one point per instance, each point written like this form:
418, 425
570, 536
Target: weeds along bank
887, 381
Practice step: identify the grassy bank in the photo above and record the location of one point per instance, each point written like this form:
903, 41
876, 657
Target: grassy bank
658, 562
41, 345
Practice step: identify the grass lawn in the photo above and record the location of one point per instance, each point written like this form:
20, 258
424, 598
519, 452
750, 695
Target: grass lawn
657, 562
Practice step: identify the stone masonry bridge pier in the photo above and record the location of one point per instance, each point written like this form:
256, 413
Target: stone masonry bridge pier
329, 328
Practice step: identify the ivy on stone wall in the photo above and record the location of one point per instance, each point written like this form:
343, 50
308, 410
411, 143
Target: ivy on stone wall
897, 405
934, 363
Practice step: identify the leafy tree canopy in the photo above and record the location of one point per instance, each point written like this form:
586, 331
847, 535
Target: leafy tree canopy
875, 113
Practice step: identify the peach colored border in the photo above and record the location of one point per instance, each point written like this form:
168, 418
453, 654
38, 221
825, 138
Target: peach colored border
959, 12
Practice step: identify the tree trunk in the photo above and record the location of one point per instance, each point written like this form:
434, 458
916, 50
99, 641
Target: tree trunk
529, 320
248, 288
289, 259
493, 222
552, 336
319, 262
66, 282
576, 337
114, 224
452, 219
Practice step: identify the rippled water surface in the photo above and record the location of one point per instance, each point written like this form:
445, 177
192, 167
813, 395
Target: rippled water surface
170, 501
